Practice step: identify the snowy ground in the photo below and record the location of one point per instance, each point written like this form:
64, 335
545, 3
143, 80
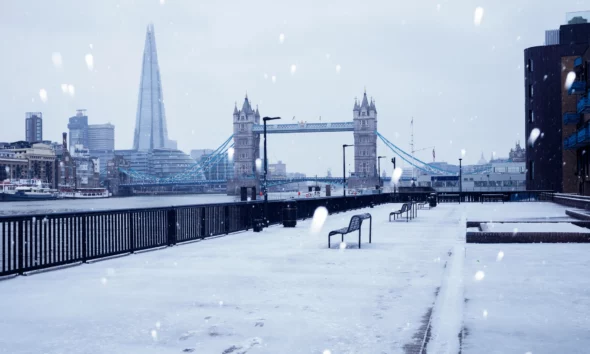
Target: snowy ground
284, 291
533, 227
533, 298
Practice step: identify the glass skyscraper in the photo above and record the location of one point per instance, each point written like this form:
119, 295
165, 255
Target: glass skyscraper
150, 124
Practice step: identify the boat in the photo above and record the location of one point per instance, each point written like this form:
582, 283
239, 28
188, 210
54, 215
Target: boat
29, 193
84, 193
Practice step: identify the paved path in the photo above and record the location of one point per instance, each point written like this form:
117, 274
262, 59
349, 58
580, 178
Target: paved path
279, 291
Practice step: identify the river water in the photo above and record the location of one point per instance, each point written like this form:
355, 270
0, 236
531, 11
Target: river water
73, 205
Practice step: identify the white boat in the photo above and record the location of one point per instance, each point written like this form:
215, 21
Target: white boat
84, 193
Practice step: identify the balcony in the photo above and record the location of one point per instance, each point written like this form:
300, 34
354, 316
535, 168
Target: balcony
577, 88
571, 118
583, 105
578, 61
583, 137
570, 142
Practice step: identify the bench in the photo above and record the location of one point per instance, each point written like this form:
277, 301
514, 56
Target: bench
492, 197
423, 205
406, 207
355, 224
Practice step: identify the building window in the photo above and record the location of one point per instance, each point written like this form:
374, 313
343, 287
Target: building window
530, 90
530, 65
531, 116
532, 169
242, 127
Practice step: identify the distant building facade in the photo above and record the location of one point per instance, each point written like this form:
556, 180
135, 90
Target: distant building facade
198, 153
78, 128
40, 161
33, 127
101, 137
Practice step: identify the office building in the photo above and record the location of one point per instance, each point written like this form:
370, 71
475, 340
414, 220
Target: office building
101, 137
33, 127
277, 170
198, 153
78, 128
557, 160
150, 123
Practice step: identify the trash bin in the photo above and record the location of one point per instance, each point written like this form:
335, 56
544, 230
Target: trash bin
432, 200
290, 213
257, 225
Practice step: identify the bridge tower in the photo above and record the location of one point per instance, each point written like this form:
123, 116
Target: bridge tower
365, 144
246, 148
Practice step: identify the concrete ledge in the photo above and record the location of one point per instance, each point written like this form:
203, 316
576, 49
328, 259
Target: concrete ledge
6, 277
527, 237
583, 223
578, 215
96, 260
572, 201
150, 249
60, 267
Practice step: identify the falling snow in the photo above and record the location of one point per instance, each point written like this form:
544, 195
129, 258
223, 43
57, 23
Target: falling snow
319, 218
43, 95
338, 68
534, 136
478, 16
479, 275
89, 61
281, 38
569, 80
293, 69
56, 59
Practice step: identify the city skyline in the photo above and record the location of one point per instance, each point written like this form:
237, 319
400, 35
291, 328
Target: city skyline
206, 67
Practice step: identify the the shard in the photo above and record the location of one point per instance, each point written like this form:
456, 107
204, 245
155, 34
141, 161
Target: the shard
150, 123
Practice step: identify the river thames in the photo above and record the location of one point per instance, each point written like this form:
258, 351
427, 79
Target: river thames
73, 205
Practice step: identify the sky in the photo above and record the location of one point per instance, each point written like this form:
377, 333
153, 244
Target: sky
461, 82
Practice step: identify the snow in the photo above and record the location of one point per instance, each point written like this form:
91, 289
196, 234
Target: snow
533, 227
536, 299
283, 291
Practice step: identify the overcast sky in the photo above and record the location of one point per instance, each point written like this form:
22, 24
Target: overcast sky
462, 83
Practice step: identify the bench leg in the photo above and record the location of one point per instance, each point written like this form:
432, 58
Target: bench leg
329, 237
360, 238
370, 228
342, 238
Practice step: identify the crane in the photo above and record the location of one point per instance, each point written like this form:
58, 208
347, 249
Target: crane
433, 152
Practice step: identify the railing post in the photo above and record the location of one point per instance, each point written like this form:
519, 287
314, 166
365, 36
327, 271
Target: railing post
171, 218
226, 218
203, 229
84, 238
21, 247
131, 233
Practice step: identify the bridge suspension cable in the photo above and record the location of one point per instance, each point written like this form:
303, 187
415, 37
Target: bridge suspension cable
192, 173
415, 162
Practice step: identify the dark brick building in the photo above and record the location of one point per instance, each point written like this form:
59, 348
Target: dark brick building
552, 162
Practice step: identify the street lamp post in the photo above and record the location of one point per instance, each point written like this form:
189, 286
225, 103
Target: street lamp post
460, 179
344, 146
379, 170
393, 162
265, 119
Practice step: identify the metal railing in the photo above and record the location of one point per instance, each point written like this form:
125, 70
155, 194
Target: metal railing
32, 242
